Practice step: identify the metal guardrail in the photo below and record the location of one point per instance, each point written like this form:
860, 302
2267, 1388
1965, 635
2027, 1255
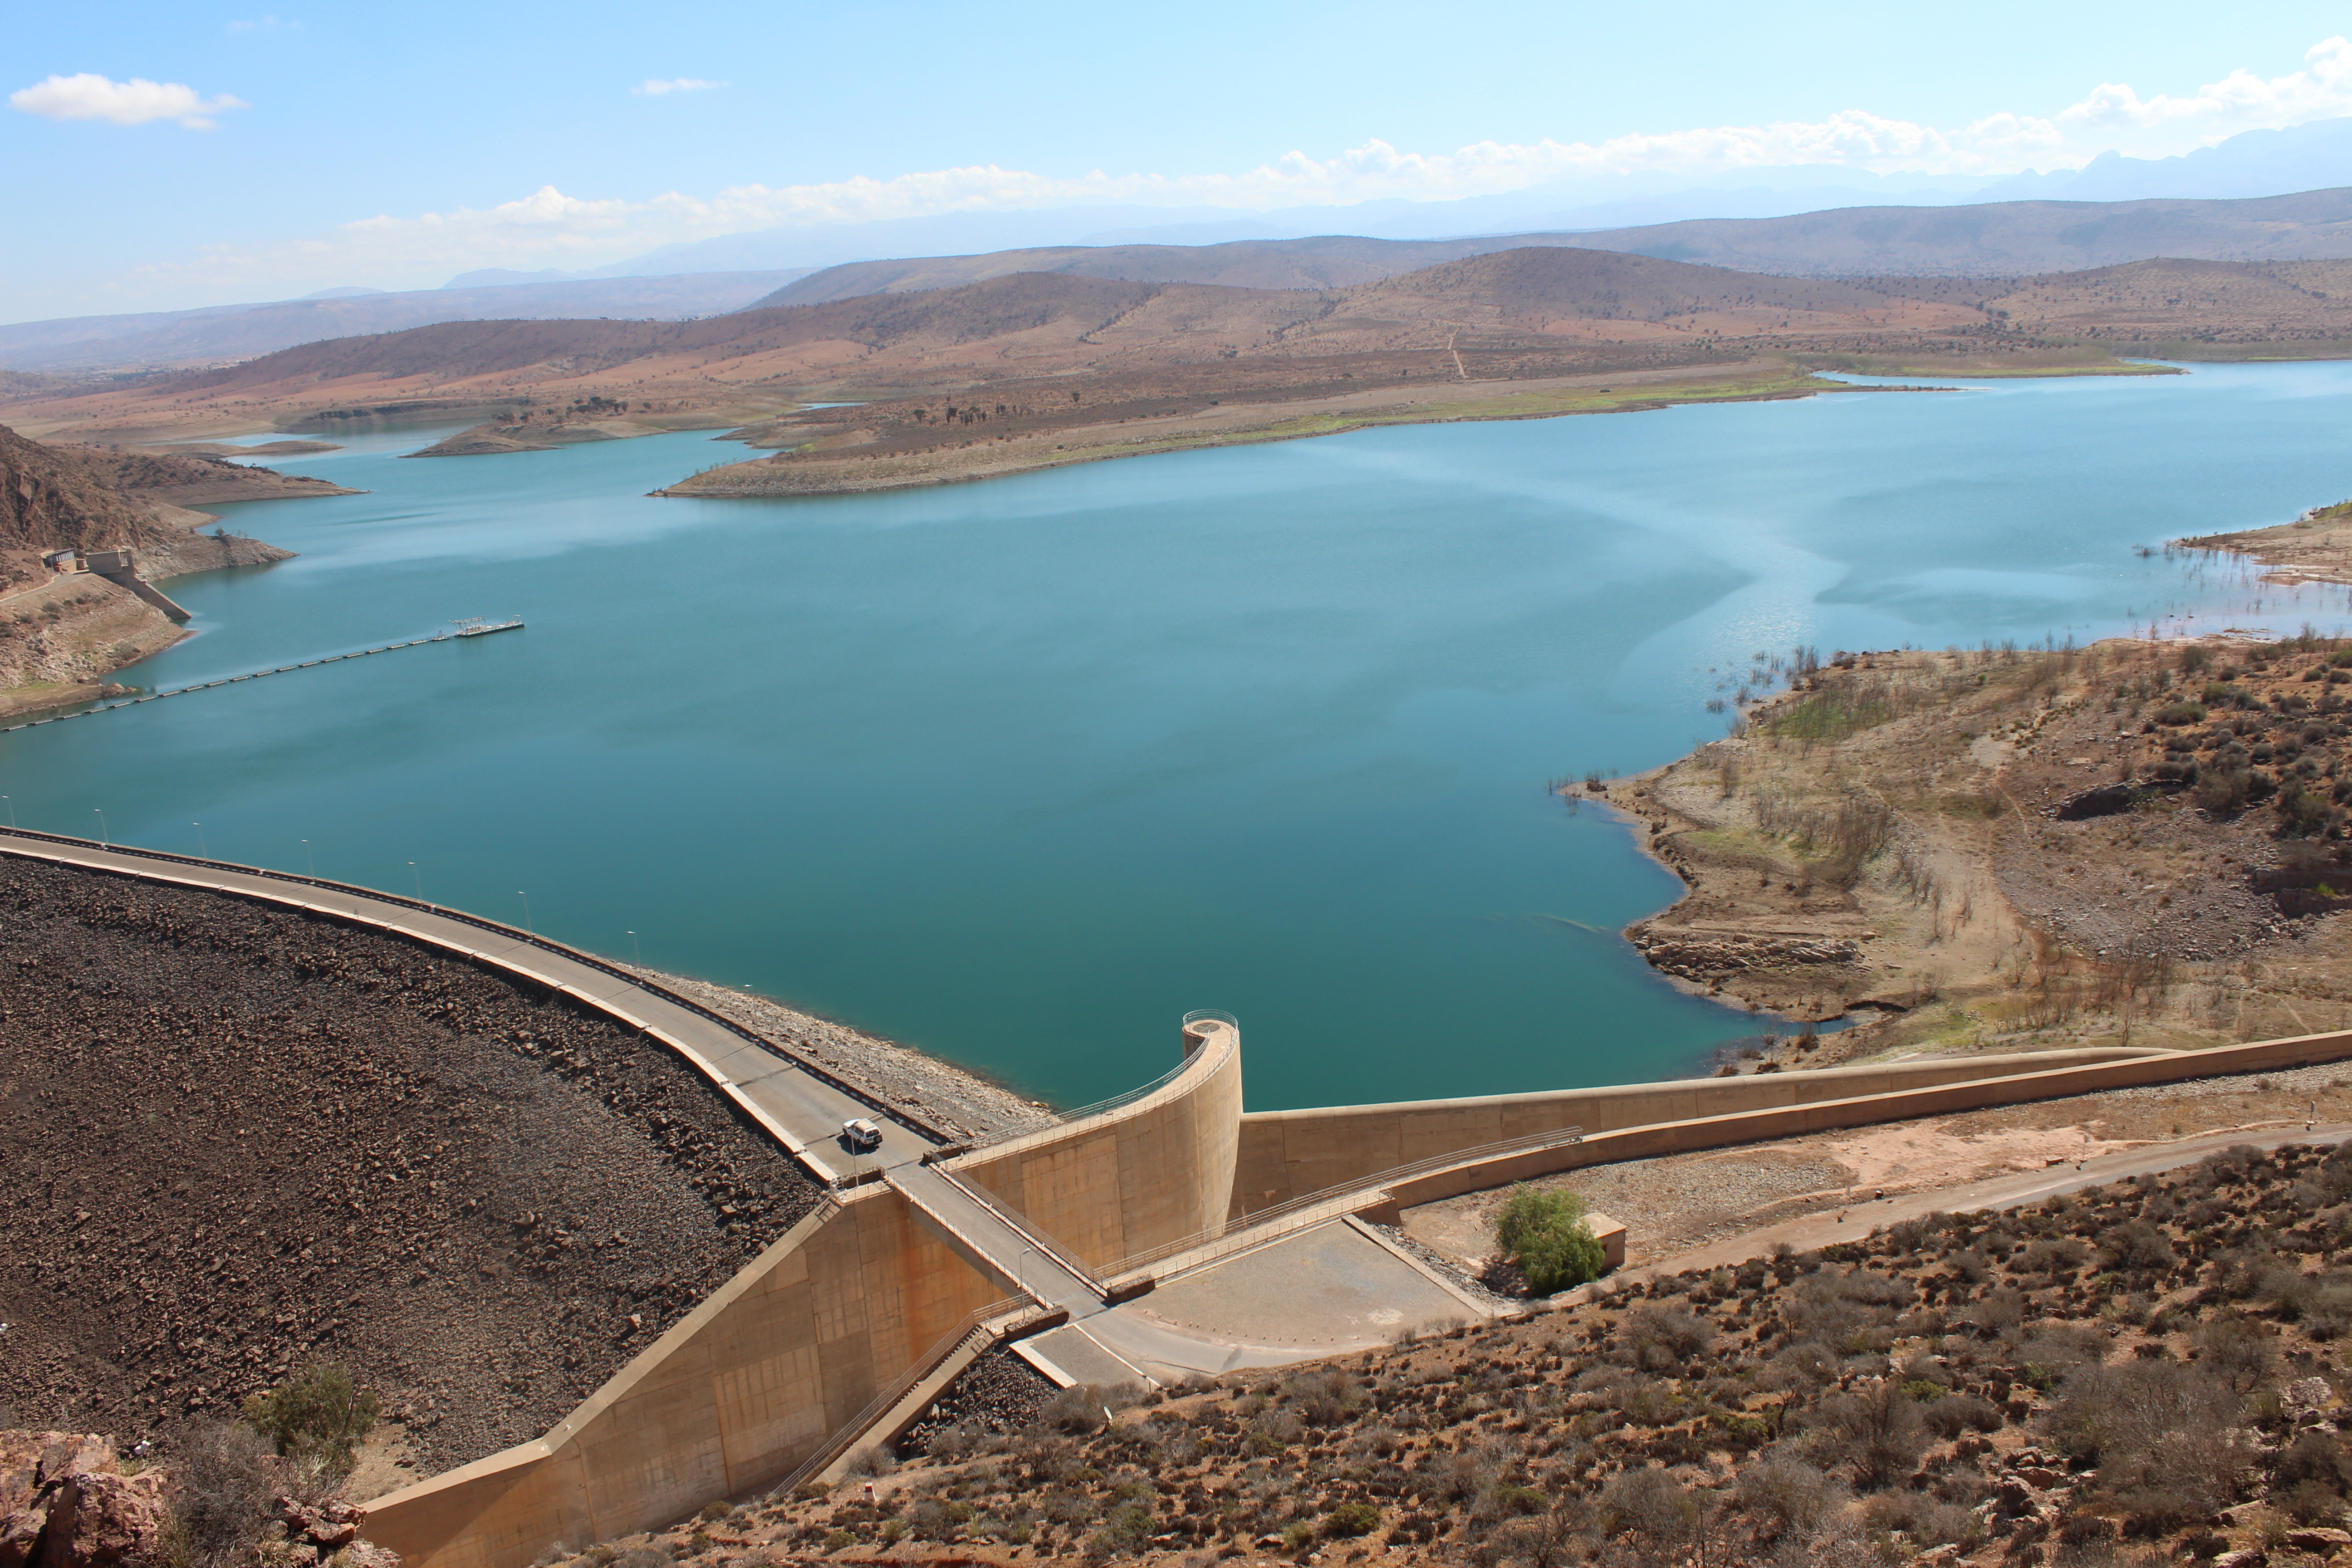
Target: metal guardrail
1238, 1235
1021, 1224
845, 1437
866, 1096
1118, 1100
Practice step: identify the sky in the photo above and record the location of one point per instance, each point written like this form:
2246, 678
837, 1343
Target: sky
187, 155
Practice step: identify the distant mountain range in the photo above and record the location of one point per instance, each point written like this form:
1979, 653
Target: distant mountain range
2219, 203
2000, 239
2253, 163
229, 332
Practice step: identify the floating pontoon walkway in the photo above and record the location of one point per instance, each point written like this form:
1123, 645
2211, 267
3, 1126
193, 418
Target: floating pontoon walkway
226, 680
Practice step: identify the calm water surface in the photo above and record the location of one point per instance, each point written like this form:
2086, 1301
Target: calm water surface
1021, 771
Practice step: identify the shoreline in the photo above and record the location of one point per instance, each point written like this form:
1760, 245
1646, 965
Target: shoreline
2013, 851
1241, 425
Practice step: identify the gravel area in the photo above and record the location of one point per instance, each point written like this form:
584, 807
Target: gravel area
1473, 1281
999, 1392
953, 1099
1677, 1202
240, 1138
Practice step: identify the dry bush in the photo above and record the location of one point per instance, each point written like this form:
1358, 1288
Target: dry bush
1874, 1435
223, 1482
2239, 1350
1649, 1505
1785, 1493
2162, 1436
1658, 1337
1928, 1521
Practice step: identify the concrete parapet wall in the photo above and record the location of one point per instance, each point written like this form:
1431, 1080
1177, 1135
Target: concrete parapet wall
740, 1392
1816, 1115
1134, 1178
1286, 1155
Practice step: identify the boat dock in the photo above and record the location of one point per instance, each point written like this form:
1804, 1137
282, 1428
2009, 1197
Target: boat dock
228, 680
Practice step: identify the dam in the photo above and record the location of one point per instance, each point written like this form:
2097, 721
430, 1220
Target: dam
927, 1252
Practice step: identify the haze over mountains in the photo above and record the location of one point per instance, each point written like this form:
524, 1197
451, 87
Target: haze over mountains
2219, 203
218, 332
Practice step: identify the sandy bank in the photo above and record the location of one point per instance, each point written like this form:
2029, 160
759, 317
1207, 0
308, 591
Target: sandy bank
883, 446
2314, 548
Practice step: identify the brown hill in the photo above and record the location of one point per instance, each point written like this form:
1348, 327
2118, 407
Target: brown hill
738, 367
2174, 306
220, 332
50, 500
2001, 238
1982, 239
1326, 261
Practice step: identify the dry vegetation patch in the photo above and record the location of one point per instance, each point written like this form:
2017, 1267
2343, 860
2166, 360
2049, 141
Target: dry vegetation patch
2017, 849
2138, 1374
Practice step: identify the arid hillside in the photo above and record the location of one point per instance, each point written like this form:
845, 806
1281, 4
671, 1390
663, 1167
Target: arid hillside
61, 633
1995, 239
1975, 240
2186, 308
240, 1138
1084, 331
1327, 261
2006, 850
2139, 1373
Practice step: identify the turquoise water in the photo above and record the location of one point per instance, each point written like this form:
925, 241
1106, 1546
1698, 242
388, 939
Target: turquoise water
1021, 771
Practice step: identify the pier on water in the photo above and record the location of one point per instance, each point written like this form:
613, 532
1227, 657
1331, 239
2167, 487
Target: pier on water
228, 680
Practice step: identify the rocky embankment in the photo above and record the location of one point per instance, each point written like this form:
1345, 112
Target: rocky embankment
963, 1105
240, 1138
2131, 843
61, 635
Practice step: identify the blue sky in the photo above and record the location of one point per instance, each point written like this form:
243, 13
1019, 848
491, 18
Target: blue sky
268, 154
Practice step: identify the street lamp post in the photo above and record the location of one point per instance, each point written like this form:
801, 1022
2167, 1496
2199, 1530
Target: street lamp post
12, 810
418, 878
526, 910
102, 823
637, 949
202, 853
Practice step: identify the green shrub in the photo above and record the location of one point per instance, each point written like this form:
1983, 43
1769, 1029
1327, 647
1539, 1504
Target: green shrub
1548, 1236
317, 1417
1352, 1519
2182, 712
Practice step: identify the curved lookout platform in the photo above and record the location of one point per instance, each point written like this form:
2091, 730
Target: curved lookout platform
1139, 1237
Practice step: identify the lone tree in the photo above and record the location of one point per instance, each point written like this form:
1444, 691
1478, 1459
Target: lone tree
316, 1418
1546, 1234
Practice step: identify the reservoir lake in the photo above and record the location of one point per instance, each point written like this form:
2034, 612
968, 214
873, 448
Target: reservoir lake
1020, 771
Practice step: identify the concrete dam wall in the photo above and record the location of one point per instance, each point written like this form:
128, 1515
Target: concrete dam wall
1138, 1176
728, 1401
768, 1371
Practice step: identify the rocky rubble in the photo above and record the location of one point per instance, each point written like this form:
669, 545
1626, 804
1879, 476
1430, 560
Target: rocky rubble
241, 1138
1705, 957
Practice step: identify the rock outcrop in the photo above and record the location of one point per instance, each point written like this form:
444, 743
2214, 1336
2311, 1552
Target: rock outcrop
65, 1502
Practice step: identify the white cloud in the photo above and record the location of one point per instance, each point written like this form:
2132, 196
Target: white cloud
675, 84
90, 96
549, 228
